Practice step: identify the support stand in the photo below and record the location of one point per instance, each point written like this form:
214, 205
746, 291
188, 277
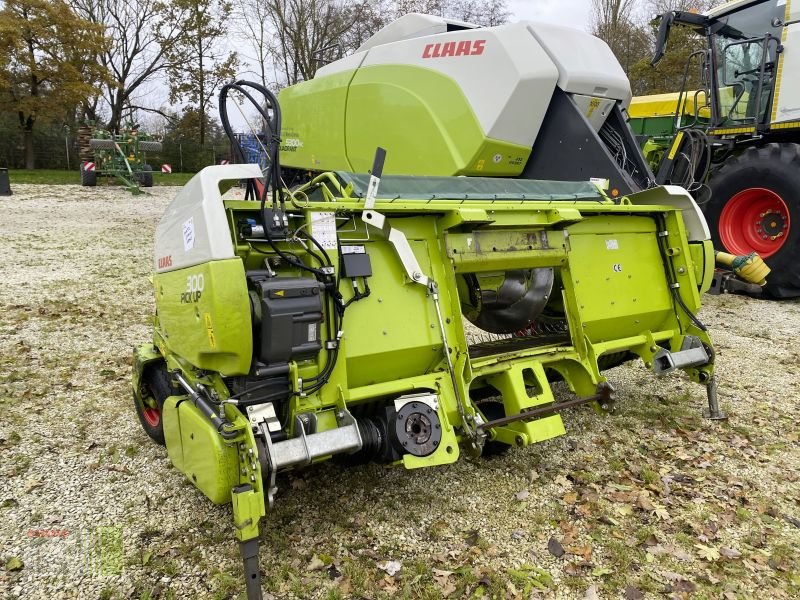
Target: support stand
714, 413
252, 575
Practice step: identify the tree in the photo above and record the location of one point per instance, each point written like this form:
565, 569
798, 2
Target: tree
46, 66
304, 29
199, 62
487, 13
139, 35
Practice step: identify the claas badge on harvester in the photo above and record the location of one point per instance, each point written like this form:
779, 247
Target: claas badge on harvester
400, 319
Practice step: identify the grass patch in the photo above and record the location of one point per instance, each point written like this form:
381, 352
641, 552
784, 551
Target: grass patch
60, 177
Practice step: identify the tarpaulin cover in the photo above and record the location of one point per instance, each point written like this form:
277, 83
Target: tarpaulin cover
412, 187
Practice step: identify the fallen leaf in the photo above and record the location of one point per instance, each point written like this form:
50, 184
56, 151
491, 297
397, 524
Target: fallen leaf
708, 553
555, 548
631, 593
522, 495
650, 540
146, 557
730, 553
601, 572
32, 484
570, 497
392, 567
316, 564
14, 564
645, 503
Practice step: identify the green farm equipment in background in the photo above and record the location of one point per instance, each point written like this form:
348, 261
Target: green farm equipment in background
735, 145
121, 155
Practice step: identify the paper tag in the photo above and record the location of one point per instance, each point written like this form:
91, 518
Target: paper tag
323, 228
188, 234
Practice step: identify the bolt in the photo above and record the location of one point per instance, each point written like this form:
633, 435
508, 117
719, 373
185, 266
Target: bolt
416, 275
681, 270
763, 237
653, 348
604, 406
648, 365
780, 234
519, 440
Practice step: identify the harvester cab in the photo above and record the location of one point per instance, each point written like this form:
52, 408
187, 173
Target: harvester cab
735, 143
371, 316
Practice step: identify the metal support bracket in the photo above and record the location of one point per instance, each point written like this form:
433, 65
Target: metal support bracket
691, 354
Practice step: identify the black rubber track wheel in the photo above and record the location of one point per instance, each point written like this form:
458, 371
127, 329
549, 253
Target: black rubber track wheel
755, 205
157, 385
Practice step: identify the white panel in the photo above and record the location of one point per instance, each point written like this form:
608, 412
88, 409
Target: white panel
509, 82
194, 229
673, 195
789, 93
348, 63
585, 63
412, 25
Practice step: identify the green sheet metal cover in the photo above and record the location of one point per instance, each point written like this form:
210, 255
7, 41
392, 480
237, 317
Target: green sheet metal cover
410, 187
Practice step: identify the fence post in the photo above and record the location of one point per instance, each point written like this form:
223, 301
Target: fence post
66, 146
180, 151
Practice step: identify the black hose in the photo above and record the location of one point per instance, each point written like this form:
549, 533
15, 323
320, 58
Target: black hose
671, 279
273, 179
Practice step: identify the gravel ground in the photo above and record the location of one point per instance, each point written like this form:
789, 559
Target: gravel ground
651, 502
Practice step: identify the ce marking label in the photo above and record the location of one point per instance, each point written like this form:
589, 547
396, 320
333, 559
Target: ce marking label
617, 268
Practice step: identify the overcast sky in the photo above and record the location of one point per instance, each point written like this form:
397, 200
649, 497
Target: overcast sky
573, 13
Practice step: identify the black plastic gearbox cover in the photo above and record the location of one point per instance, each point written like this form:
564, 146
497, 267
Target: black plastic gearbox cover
287, 314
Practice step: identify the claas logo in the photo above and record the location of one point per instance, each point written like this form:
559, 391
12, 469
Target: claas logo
463, 48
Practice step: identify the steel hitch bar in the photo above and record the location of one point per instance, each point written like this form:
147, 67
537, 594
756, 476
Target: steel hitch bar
605, 396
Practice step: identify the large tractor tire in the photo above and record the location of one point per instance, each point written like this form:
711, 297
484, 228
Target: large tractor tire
755, 206
88, 178
156, 388
145, 176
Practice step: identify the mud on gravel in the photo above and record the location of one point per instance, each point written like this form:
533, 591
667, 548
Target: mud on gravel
652, 502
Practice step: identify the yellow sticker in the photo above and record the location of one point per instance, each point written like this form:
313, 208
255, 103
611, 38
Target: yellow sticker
593, 104
212, 340
480, 165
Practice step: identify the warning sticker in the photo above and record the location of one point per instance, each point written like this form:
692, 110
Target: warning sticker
212, 340
612, 245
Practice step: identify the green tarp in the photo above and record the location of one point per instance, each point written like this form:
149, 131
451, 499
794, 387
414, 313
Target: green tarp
410, 187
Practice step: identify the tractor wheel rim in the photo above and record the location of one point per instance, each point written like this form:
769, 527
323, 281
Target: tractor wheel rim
755, 219
152, 416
